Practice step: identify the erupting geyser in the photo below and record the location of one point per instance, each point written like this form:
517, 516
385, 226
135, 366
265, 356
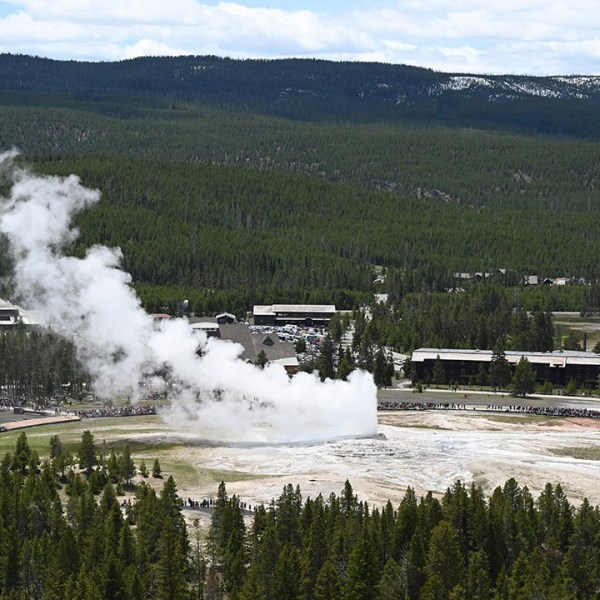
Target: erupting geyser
90, 301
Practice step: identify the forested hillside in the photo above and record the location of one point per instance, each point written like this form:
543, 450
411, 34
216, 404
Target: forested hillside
212, 189
277, 228
323, 90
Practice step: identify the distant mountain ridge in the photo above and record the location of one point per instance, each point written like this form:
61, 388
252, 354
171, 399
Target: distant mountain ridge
322, 90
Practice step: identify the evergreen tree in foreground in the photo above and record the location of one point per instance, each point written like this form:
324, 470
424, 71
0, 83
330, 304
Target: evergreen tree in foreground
461, 546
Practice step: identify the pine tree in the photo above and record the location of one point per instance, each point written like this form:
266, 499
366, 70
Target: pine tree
261, 359
500, 373
288, 576
346, 365
252, 589
438, 376
87, 452
328, 585
362, 574
126, 465
444, 558
325, 362
478, 576
22, 455
171, 582
392, 584
524, 379
198, 564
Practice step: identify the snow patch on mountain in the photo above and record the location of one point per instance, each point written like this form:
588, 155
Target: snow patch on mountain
511, 87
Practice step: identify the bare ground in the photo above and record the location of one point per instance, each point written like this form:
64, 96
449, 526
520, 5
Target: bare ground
427, 450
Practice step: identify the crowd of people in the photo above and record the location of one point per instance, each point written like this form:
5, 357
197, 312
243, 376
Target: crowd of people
134, 410
546, 411
208, 503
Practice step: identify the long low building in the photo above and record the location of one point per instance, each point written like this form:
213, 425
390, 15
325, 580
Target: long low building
463, 366
310, 315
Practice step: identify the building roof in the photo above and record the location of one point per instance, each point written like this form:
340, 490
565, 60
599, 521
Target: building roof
207, 324
554, 359
239, 333
12, 314
275, 350
264, 310
5, 305
226, 317
304, 308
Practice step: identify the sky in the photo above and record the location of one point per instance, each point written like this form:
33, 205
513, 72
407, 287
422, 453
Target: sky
536, 37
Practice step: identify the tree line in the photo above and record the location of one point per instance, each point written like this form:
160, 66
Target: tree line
39, 367
67, 533
481, 317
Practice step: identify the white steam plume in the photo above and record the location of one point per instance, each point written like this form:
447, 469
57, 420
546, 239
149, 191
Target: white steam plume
90, 301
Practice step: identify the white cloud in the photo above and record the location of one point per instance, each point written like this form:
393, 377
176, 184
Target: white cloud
519, 36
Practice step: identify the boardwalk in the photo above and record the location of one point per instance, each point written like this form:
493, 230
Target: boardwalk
32, 421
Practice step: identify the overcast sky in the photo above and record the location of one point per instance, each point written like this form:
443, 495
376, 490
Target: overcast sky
541, 37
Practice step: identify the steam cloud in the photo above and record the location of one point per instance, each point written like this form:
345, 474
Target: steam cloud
90, 301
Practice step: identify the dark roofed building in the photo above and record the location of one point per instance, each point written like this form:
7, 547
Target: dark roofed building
227, 318
462, 366
311, 315
276, 351
239, 333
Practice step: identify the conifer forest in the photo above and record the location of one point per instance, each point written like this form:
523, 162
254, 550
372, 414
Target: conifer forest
79, 525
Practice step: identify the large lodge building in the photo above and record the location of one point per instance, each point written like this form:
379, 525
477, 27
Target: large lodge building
463, 366
310, 315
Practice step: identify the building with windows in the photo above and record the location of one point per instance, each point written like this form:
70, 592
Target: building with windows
210, 325
311, 315
11, 315
463, 366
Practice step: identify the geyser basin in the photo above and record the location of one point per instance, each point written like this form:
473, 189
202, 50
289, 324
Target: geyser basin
423, 449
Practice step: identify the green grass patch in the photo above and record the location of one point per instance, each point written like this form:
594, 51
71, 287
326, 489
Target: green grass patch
578, 452
525, 419
183, 472
186, 474
112, 434
404, 425
113, 430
